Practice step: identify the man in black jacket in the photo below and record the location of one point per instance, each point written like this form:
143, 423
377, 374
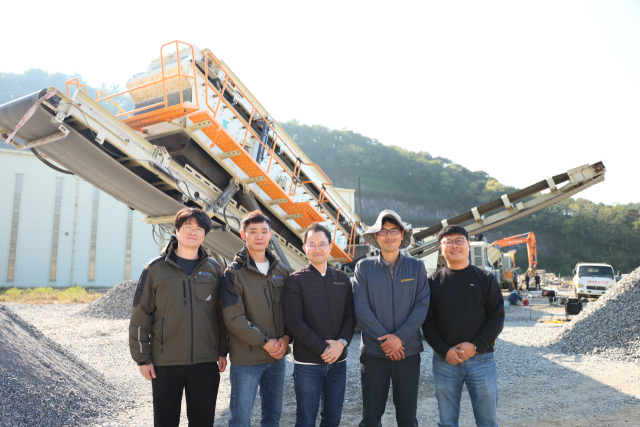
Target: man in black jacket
318, 309
464, 320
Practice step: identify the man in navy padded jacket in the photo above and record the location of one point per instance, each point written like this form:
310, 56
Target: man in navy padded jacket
391, 298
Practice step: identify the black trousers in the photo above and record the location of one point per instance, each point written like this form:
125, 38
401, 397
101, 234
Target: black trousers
200, 382
376, 374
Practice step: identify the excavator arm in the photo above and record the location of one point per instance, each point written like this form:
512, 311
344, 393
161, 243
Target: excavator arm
532, 250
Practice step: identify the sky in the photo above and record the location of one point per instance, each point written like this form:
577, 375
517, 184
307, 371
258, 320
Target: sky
522, 90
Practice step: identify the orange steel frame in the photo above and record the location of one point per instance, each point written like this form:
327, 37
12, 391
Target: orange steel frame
295, 176
111, 101
75, 82
323, 197
164, 87
528, 238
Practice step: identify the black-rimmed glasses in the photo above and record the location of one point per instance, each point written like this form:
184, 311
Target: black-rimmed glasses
393, 232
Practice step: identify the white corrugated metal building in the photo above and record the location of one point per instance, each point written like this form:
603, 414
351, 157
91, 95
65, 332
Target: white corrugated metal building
57, 230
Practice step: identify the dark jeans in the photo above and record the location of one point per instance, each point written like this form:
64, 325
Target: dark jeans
200, 383
316, 383
376, 373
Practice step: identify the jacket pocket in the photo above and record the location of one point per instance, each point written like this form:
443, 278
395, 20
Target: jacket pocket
204, 288
278, 286
486, 357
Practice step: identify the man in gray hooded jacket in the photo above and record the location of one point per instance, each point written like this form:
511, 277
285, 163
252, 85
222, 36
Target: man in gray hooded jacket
391, 298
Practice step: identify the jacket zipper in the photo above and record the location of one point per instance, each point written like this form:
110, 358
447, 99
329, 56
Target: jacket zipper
184, 293
264, 288
191, 306
393, 302
162, 337
273, 309
326, 291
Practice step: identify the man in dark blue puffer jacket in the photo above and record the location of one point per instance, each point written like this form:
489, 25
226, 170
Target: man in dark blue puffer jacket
391, 298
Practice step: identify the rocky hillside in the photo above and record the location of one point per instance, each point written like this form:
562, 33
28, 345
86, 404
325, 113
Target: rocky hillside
424, 190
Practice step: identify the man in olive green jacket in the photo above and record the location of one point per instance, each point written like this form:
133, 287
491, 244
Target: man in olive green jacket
252, 309
176, 333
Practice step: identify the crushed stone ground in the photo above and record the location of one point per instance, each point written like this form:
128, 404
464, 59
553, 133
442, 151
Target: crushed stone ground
537, 385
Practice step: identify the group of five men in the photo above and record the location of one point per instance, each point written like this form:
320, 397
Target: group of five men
188, 315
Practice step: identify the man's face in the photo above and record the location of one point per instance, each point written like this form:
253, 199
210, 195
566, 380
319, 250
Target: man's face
257, 236
190, 235
317, 247
387, 240
459, 249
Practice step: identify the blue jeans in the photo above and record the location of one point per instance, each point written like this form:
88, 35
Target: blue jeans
316, 383
244, 386
481, 376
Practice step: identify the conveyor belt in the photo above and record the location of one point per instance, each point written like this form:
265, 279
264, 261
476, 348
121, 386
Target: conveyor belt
87, 160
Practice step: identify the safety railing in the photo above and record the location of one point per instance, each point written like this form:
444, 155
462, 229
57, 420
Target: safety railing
164, 79
120, 110
75, 82
324, 197
179, 75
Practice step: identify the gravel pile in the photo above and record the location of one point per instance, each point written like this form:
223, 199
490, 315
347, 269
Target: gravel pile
41, 384
116, 303
609, 326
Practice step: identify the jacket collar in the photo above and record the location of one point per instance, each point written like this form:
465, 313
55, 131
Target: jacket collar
398, 262
245, 259
169, 253
311, 268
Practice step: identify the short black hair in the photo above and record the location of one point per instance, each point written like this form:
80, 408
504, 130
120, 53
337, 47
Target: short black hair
255, 217
313, 228
391, 220
201, 218
451, 230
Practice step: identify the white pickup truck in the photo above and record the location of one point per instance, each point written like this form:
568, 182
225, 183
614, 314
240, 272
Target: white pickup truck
592, 279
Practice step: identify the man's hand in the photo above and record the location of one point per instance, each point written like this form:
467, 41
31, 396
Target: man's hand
466, 350
391, 345
398, 355
333, 352
271, 346
283, 344
453, 356
222, 363
148, 371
